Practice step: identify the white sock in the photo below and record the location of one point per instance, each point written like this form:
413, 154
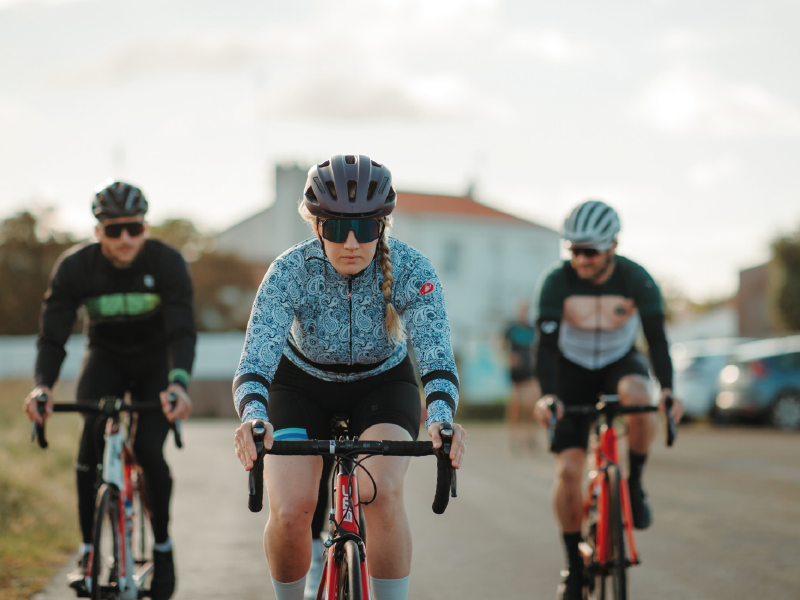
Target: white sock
84, 548
390, 589
289, 591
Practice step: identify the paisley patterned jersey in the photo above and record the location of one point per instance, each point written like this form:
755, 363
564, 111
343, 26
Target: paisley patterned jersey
334, 329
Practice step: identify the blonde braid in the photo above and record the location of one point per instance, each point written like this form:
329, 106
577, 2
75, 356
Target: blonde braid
394, 326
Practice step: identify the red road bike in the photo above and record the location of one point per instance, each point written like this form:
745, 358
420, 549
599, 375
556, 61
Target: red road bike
345, 575
607, 519
120, 563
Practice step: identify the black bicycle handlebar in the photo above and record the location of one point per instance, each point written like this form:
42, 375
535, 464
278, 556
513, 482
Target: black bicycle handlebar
445, 477
611, 407
108, 406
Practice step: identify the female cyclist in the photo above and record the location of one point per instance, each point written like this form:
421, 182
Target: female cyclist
327, 335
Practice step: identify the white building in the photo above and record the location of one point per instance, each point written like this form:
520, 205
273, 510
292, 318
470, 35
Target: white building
488, 262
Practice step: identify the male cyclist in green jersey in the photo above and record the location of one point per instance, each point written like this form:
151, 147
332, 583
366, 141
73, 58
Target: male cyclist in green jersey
589, 312
140, 339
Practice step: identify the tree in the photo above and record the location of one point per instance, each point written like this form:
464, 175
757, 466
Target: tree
785, 281
224, 285
28, 251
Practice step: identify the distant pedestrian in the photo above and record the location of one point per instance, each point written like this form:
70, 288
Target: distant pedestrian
520, 338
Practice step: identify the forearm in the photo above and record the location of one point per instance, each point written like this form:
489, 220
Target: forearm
653, 327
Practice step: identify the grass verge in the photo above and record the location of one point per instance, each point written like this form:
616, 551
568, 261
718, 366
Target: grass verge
38, 514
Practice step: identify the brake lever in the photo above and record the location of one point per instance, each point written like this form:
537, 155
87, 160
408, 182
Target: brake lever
38, 430
446, 433
172, 398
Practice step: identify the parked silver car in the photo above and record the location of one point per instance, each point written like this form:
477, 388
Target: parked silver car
762, 381
697, 365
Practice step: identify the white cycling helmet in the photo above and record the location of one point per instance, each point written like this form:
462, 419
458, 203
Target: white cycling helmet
592, 224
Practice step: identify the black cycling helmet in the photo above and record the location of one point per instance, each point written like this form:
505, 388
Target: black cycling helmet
349, 187
117, 199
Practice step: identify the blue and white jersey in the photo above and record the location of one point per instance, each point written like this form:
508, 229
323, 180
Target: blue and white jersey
333, 327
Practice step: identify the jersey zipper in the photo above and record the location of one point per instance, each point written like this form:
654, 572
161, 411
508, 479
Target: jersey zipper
350, 298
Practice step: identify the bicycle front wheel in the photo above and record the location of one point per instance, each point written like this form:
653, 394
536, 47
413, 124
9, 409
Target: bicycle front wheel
105, 571
618, 563
350, 574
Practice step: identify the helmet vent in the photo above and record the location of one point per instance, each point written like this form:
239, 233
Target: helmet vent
352, 187
312, 197
383, 185
331, 189
327, 163
374, 164
319, 185
373, 185
391, 196
350, 160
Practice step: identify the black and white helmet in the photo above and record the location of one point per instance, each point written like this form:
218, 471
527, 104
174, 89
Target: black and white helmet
593, 224
115, 199
349, 187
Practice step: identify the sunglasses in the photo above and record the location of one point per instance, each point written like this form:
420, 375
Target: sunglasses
337, 230
114, 230
587, 252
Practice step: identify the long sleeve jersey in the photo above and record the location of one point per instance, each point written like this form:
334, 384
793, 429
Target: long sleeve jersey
594, 325
333, 327
128, 311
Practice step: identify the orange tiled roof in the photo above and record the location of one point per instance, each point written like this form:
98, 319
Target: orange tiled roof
450, 205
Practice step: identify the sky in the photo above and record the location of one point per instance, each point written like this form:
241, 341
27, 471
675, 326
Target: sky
683, 115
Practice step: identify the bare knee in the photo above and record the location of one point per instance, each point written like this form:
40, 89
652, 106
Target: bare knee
389, 497
292, 513
633, 389
569, 471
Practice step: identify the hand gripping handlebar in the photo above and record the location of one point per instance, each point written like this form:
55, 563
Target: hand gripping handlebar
610, 406
445, 478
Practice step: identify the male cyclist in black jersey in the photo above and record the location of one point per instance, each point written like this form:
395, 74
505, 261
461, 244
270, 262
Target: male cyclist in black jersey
327, 335
589, 312
141, 337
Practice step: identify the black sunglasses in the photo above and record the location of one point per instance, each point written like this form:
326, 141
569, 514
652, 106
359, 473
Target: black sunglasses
337, 230
587, 252
114, 230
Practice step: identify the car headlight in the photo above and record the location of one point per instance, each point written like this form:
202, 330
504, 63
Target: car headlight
729, 374
725, 400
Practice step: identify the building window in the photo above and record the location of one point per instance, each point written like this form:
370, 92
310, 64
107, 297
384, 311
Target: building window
452, 255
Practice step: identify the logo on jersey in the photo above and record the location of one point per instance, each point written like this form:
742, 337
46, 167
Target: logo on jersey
149, 282
549, 326
426, 289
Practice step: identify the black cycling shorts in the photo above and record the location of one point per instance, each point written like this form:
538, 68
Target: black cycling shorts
578, 385
301, 406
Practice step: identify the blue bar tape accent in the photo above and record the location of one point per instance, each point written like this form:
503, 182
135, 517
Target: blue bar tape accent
291, 433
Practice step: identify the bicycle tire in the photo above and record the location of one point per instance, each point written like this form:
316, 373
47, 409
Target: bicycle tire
106, 553
350, 573
619, 564
141, 536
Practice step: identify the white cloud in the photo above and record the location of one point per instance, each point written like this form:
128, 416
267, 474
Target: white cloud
443, 96
710, 173
548, 45
686, 100
205, 52
680, 41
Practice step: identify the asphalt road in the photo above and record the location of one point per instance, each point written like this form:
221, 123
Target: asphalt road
726, 521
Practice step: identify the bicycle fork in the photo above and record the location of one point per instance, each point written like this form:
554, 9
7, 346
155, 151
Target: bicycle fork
345, 526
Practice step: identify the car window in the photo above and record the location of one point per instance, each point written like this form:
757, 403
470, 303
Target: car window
789, 362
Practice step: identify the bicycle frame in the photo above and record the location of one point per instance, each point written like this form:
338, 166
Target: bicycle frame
118, 467
605, 453
344, 517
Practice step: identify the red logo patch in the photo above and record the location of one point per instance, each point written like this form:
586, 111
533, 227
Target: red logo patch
426, 289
